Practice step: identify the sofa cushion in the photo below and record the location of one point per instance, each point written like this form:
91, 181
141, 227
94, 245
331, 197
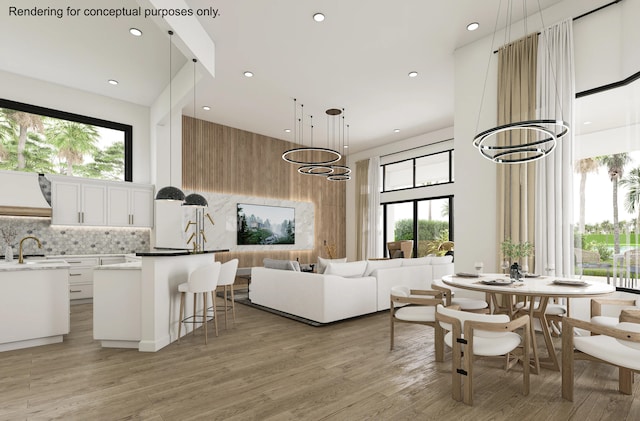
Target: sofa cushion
378, 264
347, 269
441, 260
281, 264
322, 263
418, 261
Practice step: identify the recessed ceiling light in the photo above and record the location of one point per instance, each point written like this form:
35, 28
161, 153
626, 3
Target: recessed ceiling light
473, 26
318, 17
587, 122
206, 107
248, 74
135, 32
287, 130
346, 146
113, 81
396, 130
413, 74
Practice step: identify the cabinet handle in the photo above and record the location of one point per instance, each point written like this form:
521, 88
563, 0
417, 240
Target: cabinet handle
79, 217
75, 274
131, 219
75, 290
71, 261
83, 217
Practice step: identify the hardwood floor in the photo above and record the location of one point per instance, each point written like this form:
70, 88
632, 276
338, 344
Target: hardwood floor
270, 368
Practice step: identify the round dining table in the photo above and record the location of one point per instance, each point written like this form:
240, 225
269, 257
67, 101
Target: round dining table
536, 290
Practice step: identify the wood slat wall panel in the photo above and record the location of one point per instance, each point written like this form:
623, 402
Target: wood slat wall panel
221, 159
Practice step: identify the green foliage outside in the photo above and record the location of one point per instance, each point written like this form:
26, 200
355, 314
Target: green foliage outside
428, 230
35, 143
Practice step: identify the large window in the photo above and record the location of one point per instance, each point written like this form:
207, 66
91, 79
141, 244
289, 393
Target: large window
607, 182
422, 171
43, 140
428, 222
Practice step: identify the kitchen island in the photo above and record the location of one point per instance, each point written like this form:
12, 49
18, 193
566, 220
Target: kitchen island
136, 305
34, 303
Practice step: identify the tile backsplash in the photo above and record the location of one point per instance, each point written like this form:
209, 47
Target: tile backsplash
58, 240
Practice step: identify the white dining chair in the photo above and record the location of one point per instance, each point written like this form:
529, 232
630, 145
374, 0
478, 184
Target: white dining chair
472, 305
488, 335
606, 311
618, 346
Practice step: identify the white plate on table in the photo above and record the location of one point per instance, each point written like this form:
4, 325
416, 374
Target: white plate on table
571, 282
497, 282
467, 275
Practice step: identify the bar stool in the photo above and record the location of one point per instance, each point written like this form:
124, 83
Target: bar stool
203, 280
226, 280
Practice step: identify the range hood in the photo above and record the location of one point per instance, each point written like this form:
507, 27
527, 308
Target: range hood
21, 194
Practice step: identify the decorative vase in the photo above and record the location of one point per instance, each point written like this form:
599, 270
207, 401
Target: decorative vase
515, 272
8, 254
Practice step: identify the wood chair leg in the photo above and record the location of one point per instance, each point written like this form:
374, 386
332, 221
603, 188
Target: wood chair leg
467, 395
456, 377
567, 362
204, 316
439, 342
525, 360
625, 381
182, 294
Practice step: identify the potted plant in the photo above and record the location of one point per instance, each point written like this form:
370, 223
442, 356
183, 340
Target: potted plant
516, 251
9, 234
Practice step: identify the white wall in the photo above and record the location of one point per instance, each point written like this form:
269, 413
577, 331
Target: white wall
18, 88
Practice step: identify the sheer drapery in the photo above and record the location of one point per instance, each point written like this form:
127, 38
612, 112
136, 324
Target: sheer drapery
554, 186
516, 102
367, 207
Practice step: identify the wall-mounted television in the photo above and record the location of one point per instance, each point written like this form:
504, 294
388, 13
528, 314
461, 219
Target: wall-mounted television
265, 225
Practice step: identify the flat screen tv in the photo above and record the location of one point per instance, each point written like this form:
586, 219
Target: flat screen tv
265, 225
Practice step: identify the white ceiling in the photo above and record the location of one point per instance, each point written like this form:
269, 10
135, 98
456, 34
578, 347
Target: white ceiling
357, 59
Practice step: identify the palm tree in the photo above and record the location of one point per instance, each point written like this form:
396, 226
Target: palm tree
25, 122
615, 167
584, 167
73, 140
632, 199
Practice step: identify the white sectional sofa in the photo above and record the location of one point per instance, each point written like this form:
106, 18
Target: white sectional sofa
345, 289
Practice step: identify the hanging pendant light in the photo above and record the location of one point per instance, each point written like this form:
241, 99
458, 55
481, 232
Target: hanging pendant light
194, 199
539, 137
315, 169
340, 172
170, 192
313, 159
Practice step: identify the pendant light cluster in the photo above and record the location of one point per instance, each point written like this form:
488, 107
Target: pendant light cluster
316, 160
538, 137
194, 199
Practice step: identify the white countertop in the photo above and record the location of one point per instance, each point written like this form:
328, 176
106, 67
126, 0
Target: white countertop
33, 265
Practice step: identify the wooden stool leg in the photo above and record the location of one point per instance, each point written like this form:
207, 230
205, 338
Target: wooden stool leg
224, 298
193, 327
204, 316
182, 294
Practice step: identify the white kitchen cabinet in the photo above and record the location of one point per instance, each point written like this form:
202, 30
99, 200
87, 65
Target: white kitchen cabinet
130, 206
81, 276
78, 203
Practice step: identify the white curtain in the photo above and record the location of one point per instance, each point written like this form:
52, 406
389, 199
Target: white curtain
554, 184
374, 240
368, 238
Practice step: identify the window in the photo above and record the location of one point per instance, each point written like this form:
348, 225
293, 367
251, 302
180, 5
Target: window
43, 140
607, 182
428, 220
422, 171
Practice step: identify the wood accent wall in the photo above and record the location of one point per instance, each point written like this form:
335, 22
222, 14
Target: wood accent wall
221, 159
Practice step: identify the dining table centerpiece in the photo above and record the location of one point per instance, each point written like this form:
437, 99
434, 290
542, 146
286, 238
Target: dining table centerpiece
515, 253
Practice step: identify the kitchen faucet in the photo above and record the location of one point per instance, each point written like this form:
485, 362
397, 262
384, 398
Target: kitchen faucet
20, 258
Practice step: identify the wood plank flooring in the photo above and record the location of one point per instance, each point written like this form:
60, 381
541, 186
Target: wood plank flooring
271, 368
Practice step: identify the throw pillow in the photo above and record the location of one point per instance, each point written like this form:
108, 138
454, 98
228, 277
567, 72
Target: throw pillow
347, 270
379, 264
322, 263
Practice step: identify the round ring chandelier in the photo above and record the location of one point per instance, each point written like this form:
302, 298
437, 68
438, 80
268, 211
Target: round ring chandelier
340, 173
316, 169
331, 157
526, 151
